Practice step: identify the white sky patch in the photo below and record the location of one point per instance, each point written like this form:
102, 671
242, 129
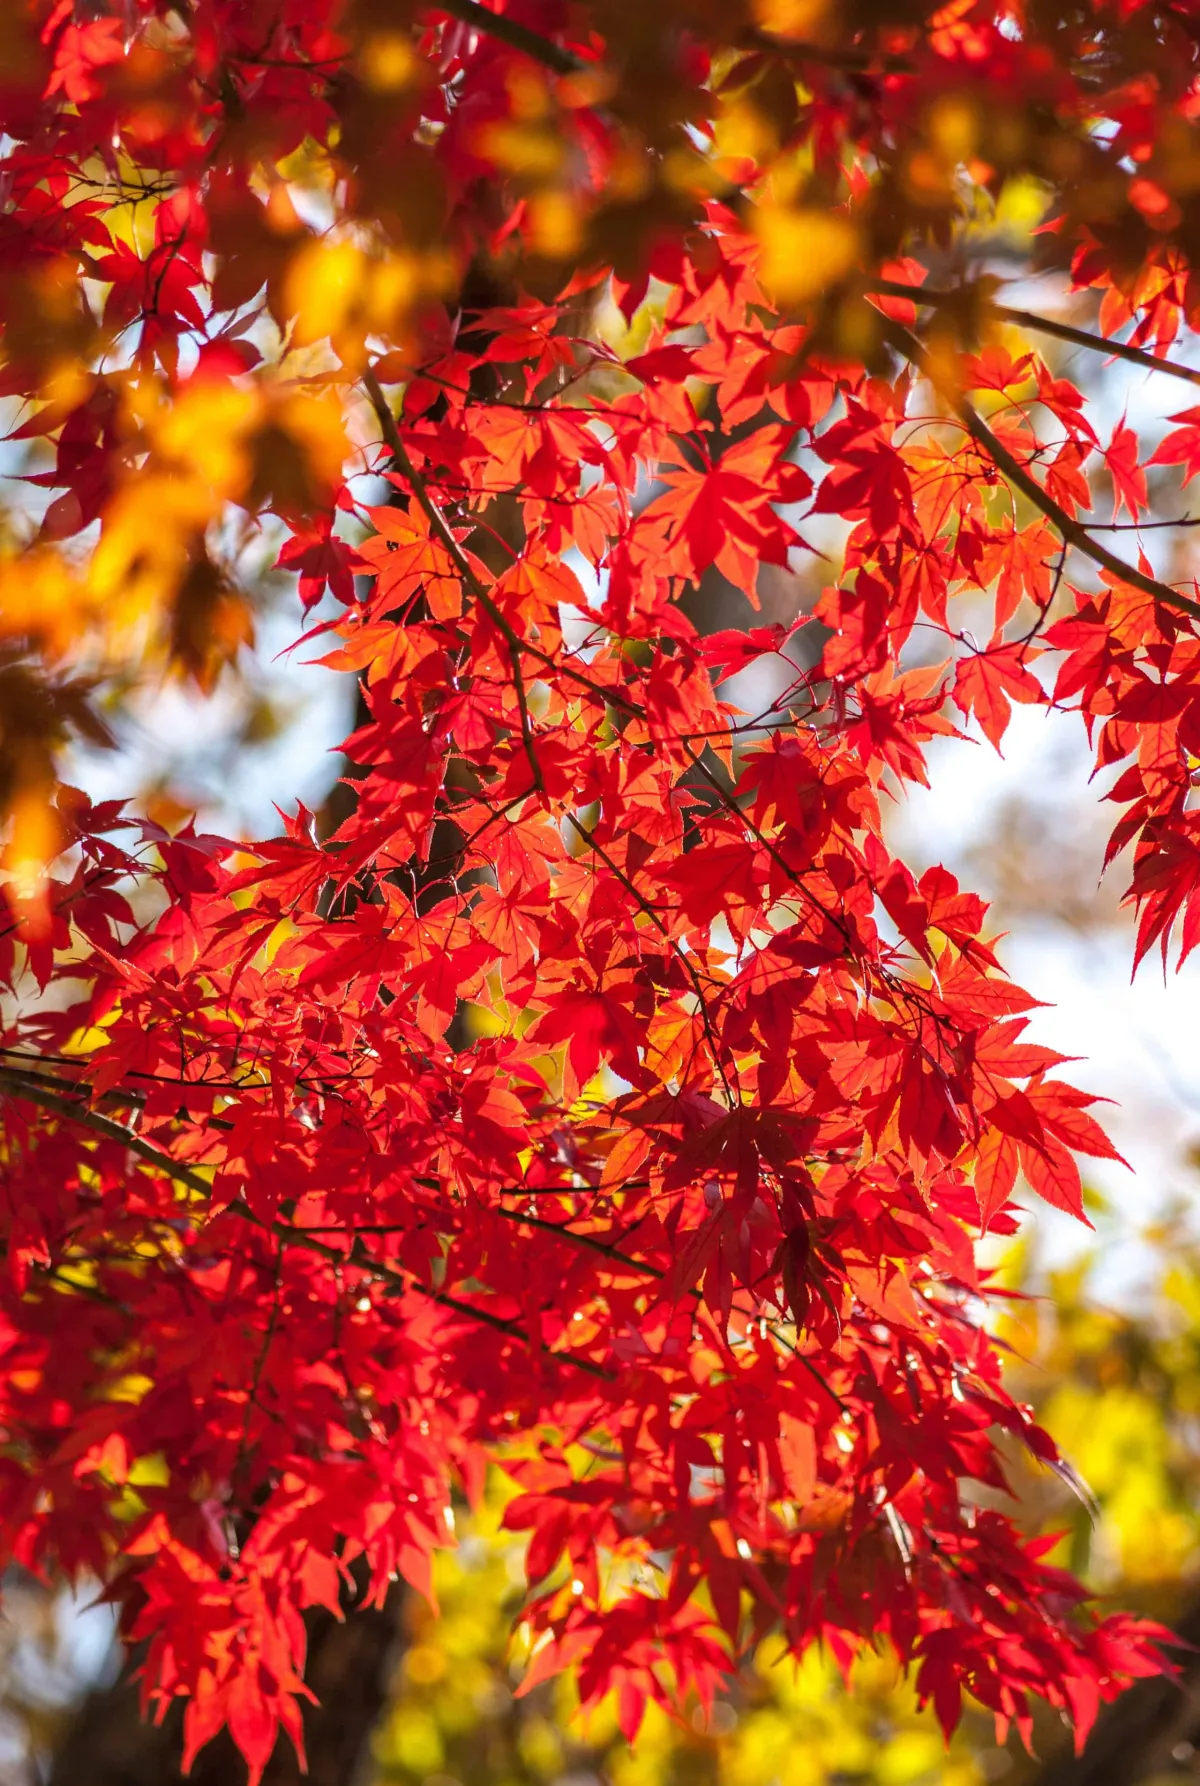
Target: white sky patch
1138, 1039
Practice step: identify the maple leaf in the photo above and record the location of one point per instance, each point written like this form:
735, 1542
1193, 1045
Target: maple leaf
722, 514
594, 1026
562, 1087
321, 561
1182, 445
1020, 560
986, 684
673, 363
80, 52
1123, 458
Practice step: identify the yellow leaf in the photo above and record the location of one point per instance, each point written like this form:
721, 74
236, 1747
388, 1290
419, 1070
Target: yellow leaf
791, 18
803, 251
388, 62
33, 842
322, 288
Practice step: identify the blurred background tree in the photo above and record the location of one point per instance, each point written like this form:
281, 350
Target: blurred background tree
1120, 1389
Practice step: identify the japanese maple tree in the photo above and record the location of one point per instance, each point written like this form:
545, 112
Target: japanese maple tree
603, 1099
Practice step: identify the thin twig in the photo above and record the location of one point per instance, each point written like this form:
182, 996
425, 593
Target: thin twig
403, 1280
933, 299
260, 1363
441, 526
1074, 532
642, 1267
685, 961
466, 570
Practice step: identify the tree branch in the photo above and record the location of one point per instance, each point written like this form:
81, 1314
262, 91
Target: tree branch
795, 875
37, 1093
563, 61
445, 533
1046, 325
387, 422
681, 955
644, 1267
403, 1280
850, 61
516, 36
1072, 531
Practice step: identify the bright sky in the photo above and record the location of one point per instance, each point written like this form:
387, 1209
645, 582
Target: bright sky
1137, 1038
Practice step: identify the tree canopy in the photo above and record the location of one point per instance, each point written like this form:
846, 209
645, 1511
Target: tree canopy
602, 1099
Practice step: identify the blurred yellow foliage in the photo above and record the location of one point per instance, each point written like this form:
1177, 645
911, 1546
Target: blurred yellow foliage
1116, 1390
40, 595
791, 18
33, 841
338, 289
804, 250
455, 1721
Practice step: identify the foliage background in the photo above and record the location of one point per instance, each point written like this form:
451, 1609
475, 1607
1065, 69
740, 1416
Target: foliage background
1104, 1331
1118, 1388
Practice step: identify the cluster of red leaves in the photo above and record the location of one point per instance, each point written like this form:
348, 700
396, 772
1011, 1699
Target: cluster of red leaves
604, 1098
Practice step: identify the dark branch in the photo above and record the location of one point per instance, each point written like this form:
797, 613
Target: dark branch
36, 1093
22, 1086
441, 527
516, 36
1073, 532
402, 1280
1029, 319
852, 61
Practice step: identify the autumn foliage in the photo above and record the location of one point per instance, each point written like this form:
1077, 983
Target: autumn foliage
603, 1099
